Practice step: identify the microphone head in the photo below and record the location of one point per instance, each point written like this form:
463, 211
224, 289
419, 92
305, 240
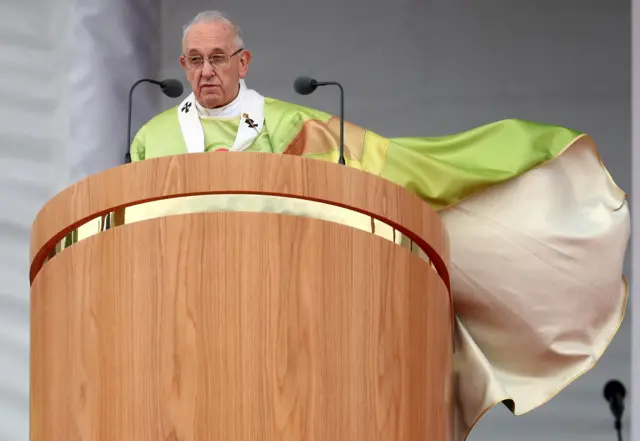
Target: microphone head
614, 389
305, 85
172, 88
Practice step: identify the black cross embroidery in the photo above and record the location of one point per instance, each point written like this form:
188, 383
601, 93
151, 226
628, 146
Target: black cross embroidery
186, 107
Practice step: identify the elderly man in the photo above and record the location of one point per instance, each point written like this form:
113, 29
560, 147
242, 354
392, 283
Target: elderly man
538, 228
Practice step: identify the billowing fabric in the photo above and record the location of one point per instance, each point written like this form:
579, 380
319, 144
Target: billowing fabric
538, 233
442, 170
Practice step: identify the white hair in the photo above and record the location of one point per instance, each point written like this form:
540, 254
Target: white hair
210, 17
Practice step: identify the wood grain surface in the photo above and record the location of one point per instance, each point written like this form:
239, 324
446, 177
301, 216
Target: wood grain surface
239, 327
239, 173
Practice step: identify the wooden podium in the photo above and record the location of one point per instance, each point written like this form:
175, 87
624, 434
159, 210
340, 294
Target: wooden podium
238, 326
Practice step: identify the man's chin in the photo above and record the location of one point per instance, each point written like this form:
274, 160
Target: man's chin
210, 100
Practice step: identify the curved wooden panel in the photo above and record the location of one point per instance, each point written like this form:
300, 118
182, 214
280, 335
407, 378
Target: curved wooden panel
243, 327
240, 173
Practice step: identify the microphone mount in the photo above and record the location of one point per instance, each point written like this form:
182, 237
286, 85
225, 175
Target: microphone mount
305, 86
615, 393
170, 87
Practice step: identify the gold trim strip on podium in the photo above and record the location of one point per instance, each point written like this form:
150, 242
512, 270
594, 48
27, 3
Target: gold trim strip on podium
245, 173
240, 203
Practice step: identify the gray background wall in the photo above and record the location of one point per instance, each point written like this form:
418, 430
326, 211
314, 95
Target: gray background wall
409, 68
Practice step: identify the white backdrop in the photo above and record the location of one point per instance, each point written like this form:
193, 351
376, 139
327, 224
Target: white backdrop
409, 68
33, 121
66, 66
114, 43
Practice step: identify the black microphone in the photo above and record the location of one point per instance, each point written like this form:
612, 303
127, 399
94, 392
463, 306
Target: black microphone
170, 87
615, 393
306, 85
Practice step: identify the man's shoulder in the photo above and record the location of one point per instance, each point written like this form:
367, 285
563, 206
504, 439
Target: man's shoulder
160, 136
162, 119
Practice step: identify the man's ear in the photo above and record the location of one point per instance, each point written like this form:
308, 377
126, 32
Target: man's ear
183, 62
245, 60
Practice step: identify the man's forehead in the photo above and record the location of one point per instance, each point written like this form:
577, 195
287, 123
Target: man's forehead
209, 36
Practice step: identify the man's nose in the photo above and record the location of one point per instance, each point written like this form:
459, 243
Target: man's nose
207, 69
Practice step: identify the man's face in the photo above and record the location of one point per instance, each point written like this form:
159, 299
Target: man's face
214, 86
